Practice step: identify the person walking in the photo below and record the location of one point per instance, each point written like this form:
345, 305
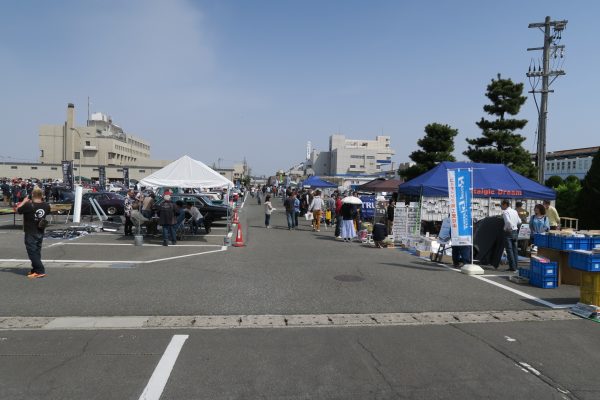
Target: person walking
34, 210
553, 216
338, 216
268, 210
296, 208
288, 203
348, 212
316, 207
511, 234
167, 219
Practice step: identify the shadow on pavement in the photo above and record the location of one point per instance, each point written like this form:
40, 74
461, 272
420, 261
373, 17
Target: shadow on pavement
17, 271
425, 266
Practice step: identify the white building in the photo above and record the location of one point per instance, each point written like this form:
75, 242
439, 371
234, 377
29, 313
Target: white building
352, 157
99, 143
575, 162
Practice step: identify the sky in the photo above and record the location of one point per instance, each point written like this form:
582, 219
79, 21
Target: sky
227, 80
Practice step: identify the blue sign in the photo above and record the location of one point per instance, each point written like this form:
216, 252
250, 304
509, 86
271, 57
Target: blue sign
459, 191
368, 206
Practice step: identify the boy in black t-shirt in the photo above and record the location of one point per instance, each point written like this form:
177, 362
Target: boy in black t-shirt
34, 210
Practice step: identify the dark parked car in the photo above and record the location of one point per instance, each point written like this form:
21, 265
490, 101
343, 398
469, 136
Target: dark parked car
210, 211
111, 203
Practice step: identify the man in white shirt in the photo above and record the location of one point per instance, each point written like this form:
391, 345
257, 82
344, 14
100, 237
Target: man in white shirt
511, 234
316, 207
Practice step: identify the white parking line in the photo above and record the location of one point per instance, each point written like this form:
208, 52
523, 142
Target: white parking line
520, 293
131, 244
523, 294
223, 248
161, 373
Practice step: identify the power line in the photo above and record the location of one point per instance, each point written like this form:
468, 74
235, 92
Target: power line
552, 36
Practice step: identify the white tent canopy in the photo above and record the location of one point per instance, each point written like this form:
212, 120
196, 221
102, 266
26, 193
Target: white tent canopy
186, 173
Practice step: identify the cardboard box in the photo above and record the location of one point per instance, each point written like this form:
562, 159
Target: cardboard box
423, 253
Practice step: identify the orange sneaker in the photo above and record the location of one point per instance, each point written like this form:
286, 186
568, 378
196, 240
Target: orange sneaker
35, 275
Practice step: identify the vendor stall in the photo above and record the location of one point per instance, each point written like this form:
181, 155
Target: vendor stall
491, 183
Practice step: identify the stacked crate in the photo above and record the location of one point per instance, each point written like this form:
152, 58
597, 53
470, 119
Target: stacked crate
543, 273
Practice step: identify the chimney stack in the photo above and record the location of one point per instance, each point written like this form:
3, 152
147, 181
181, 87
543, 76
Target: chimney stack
70, 117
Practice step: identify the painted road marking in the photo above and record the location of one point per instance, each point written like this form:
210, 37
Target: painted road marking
14, 260
485, 278
132, 244
281, 321
161, 373
523, 294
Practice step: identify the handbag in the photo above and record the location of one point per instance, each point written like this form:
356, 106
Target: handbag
308, 216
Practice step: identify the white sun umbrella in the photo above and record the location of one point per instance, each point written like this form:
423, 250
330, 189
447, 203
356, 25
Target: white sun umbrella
352, 200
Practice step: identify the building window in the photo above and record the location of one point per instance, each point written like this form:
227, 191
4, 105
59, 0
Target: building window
371, 157
119, 170
54, 168
33, 167
77, 155
13, 167
142, 171
95, 169
41, 153
352, 166
87, 143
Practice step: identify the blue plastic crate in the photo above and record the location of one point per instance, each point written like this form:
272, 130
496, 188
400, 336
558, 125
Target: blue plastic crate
559, 242
594, 241
584, 261
543, 269
544, 283
524, 272
584, 243
540, 240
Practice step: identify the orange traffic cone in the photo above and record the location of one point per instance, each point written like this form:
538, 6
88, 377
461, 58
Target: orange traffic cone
236, 219
239, 240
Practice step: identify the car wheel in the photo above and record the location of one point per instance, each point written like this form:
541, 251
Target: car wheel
112, 210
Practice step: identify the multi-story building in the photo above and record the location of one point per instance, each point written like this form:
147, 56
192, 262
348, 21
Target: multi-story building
359, 156
352, 157
564, 163
100, 142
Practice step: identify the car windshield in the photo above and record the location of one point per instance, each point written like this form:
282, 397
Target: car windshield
208, 200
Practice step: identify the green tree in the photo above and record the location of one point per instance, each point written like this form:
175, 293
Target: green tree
554, 181
499, 144
567, 194
589, 197
437, 145
572, 178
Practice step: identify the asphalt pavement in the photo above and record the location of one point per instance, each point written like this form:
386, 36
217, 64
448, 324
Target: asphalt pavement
279, 272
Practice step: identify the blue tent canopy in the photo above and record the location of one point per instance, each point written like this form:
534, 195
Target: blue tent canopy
489, 180
316, 182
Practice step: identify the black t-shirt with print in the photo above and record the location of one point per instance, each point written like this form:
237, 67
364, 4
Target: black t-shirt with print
32, 214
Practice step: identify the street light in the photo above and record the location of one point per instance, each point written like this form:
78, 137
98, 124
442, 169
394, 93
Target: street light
80, 148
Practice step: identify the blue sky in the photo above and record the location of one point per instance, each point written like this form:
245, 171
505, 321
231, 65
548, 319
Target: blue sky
258, 79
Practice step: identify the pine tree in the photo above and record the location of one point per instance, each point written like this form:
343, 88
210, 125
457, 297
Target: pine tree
499, 143
437, 145
589, 197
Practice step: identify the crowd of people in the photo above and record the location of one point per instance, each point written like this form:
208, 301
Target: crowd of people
330, 210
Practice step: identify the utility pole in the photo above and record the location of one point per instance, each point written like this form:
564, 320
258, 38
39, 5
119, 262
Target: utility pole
550, 49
